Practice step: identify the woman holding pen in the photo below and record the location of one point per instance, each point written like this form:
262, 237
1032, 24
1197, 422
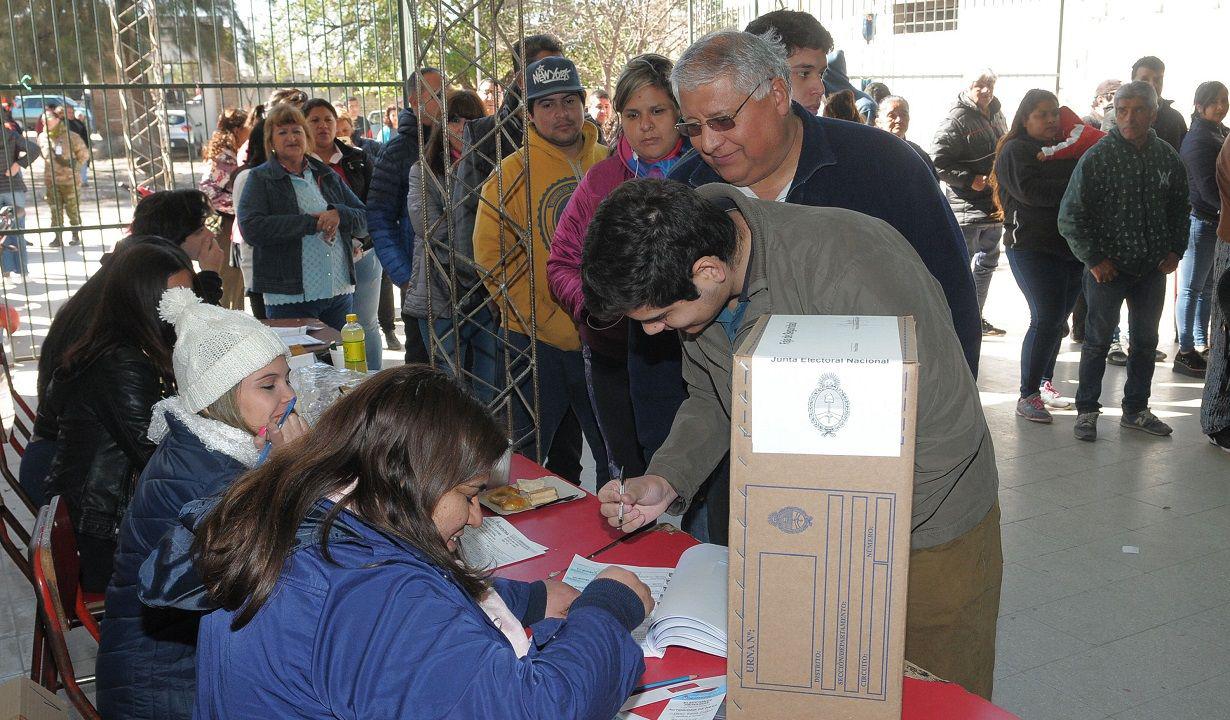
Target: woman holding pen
233, 404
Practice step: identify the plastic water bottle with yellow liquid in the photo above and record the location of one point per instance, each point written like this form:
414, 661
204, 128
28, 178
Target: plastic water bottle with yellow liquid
353, 345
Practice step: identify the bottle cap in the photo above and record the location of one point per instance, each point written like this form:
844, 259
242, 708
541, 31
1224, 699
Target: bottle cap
351, 317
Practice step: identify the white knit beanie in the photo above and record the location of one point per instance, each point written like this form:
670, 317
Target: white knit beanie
214, 348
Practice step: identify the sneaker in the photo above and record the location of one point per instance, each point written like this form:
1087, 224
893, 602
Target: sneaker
1052, 398
1190, 363
75, 239
56, 242
1159, 356
1116, 356
1221, 440
391, 341
1086, 427
1147, 421
1033, 409
1204, 355
990, 330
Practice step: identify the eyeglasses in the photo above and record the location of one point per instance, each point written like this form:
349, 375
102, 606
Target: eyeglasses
721, 123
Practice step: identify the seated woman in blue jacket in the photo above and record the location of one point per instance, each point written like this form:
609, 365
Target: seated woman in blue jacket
343, 594
231, 375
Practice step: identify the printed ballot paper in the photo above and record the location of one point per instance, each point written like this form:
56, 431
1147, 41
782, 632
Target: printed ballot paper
497, 543
821, 489
691, 600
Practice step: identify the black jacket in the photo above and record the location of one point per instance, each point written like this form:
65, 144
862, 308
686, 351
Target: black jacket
964, 146
1030, 192
358, 168
1199, 154
14, 148
104, 416
1169, 124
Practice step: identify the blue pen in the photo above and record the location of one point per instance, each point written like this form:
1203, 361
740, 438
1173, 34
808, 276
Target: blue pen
662, 683
290, 407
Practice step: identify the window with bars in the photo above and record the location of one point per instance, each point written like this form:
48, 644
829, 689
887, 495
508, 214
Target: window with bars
928, 16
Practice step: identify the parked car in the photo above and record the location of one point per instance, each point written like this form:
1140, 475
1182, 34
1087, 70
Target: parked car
28, 110
179, 130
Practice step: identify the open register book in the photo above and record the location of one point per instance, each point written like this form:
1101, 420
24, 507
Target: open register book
691, 600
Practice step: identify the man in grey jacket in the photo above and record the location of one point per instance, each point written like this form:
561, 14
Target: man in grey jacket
707, 263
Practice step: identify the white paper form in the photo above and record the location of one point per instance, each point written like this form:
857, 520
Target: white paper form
828, 385
497, 543
296, 336
581, 572
700, 705
676, 692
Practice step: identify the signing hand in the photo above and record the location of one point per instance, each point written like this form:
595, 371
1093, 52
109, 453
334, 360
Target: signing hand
1104, 271
644, 499
1169, 264
559, 598
627, 577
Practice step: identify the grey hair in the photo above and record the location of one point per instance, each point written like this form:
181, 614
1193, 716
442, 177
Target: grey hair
1137, 89
888, 99
980, 73
746, 59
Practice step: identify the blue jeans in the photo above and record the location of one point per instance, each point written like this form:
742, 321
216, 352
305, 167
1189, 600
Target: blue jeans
1050, 284
480, 354
982, 242
561, 385
1144, 296
15, 257
1193, 305
367, 274
330, 311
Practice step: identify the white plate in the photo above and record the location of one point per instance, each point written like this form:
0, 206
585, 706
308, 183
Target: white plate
563, 488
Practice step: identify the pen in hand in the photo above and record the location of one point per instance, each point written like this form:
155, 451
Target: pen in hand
621, 498
290, 407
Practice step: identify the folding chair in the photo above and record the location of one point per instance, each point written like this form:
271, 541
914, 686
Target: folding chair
11, 527
53, 557
20, 434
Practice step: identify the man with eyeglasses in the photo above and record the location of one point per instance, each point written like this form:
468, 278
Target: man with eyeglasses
734, 91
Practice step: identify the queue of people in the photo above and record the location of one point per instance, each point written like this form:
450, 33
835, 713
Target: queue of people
745, 177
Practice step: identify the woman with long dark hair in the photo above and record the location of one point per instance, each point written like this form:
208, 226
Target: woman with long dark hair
1195, 280
352, 593
1028, 192
183, 217
476, 339
104, 392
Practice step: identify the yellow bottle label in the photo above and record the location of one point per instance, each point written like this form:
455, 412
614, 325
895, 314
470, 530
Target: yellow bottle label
355, 353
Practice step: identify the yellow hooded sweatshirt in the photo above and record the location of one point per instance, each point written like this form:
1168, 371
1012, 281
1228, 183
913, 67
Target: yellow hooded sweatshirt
553, 177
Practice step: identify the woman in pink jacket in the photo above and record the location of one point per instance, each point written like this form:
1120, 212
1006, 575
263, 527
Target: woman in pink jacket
647, 146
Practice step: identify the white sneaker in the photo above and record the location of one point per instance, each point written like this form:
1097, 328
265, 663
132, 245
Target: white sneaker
1051, 396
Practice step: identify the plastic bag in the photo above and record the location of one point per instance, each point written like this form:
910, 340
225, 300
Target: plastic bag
317, 386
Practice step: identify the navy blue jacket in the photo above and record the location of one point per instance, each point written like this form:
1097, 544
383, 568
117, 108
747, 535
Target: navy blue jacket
388, 220
146, 657
274, 226
1199, 153
836, 80
381, 632
860, 168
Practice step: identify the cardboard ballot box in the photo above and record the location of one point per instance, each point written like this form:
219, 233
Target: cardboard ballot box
821, 488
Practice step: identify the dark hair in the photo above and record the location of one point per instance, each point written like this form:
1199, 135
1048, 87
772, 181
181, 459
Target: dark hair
172, 214
127, 309
534, 45
797, 30
405, 437
230, 121
841, 106
294, 96
642, 243
317, 103
1149, 61
1206, 94
462, 104
410, 89
1029, 103
878, 91
603, 94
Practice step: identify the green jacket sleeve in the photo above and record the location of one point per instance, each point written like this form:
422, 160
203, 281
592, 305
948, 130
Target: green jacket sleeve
699, 437
1078, 220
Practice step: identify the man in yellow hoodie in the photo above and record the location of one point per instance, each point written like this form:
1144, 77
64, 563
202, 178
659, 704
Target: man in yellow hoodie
562, 147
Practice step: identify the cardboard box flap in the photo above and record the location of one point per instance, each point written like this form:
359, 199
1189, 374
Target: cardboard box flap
834, 383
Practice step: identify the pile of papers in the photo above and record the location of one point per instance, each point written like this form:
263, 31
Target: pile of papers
296, 336
496, 544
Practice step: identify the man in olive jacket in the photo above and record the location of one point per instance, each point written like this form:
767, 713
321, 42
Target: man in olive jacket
707, 263
1125, 216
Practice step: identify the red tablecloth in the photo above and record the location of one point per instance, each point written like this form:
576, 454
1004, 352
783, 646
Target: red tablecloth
576, 528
